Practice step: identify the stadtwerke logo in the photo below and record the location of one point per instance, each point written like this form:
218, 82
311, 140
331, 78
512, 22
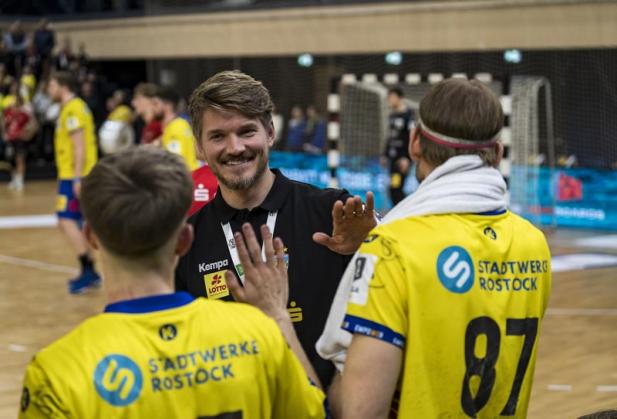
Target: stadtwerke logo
118, 380
455, 269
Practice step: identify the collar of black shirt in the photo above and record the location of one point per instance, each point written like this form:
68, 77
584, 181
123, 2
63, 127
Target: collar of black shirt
273, 202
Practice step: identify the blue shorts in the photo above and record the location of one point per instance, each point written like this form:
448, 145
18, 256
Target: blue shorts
67, 205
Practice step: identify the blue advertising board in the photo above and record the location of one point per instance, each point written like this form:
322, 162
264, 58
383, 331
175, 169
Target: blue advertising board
566, 197
357, 175
575, 197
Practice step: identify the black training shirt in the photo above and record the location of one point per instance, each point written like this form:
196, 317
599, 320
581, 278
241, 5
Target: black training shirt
314, 271
399, 126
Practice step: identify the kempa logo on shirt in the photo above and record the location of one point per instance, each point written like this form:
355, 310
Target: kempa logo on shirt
216, 286
205, 267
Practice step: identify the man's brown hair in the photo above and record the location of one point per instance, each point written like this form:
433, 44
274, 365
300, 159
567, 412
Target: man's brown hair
230, 90
146, 89
460, 108
66, 79
136, 199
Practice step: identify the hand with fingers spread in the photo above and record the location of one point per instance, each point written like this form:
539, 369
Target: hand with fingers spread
351, 222
265, 285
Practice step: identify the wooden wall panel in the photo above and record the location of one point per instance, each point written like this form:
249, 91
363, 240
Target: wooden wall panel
449, 26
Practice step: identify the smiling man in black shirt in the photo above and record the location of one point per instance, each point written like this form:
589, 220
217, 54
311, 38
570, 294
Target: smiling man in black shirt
232, 121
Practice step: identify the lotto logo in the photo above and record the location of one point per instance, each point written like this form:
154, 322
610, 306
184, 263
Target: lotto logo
455, 269
216, 286
118, 380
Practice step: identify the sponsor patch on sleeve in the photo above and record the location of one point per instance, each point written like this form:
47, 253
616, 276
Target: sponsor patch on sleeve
174, 146
72, 123
362, 267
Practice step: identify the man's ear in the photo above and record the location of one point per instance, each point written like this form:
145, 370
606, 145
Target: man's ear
270, 130
90, 236
415, 148
185, 239
499, 151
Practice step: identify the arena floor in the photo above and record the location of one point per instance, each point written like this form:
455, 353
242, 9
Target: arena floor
576, 371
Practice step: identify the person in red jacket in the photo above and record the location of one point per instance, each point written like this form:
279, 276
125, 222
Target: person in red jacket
147, 106
19, 127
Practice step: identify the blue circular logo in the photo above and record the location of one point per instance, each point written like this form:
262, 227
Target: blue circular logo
455, 269
118, 380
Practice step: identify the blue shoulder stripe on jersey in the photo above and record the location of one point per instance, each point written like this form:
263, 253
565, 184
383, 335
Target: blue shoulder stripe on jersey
494, 212
149, 304
358, 325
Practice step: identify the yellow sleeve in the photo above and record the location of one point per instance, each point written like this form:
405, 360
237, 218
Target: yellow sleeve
178, 139
294, 393
121, 114
377, 305
75, 119
39, 398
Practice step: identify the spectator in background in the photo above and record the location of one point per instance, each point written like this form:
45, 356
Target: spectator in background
5, 79
19, 126
90, 95
11, 97
314, 132
147, 106
27, 83
295, 129
15, 43
44, 43
46, 113
278, 122
82, 56
65, 55
116, 132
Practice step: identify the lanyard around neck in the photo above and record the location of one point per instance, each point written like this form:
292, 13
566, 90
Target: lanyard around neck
233, 250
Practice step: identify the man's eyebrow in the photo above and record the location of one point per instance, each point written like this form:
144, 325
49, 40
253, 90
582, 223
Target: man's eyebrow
213, 131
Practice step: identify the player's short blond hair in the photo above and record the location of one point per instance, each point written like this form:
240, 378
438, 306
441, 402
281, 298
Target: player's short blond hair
230, 91
136, 199
460, 108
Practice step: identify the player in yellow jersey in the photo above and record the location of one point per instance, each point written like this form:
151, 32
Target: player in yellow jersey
177, 133
154, 353
76, 154
446, 296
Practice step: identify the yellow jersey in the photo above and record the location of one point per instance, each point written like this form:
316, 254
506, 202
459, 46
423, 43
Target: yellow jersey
121, 113
462, 295
174, 357
29, 82
7, 101
74, 116
178, 138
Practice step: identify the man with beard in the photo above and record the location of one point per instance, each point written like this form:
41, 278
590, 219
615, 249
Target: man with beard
76, 154
232, 121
